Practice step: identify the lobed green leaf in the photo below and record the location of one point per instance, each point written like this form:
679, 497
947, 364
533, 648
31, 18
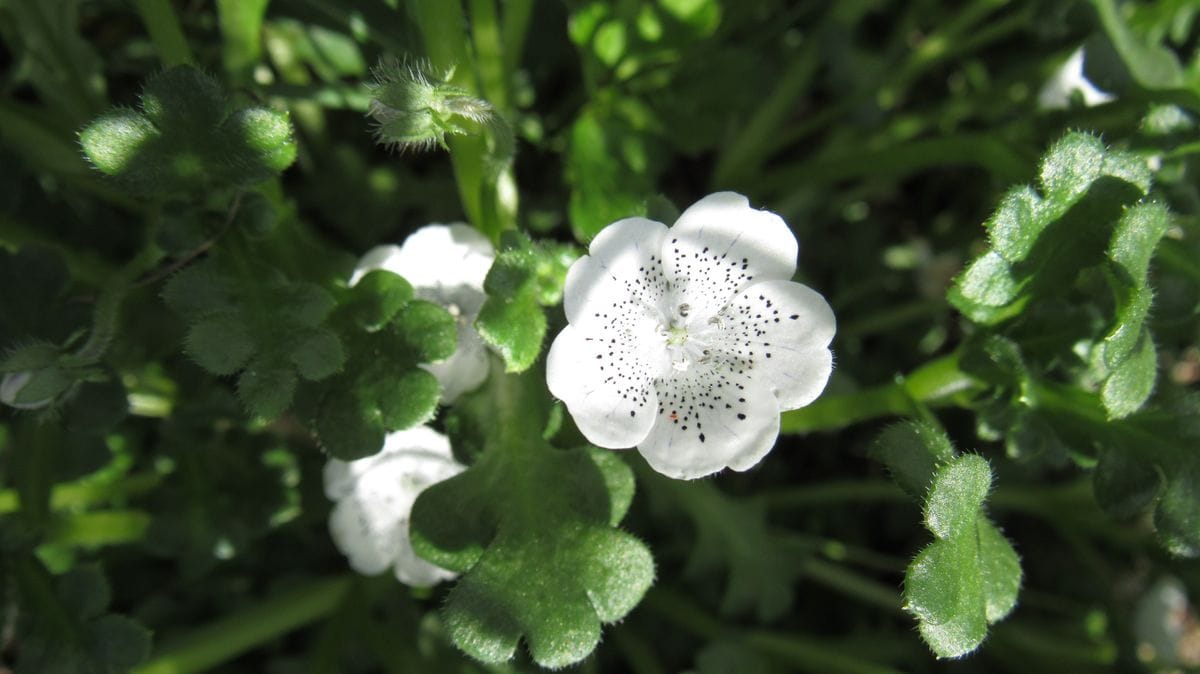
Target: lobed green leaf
958, 491
531, 528
185, 141
912, 452
1132, 381
525, 277
269, 331
969, 577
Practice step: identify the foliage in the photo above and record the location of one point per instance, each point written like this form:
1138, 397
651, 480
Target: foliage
184, 189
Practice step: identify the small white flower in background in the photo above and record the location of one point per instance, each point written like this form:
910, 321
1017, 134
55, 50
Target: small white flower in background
446, 265
1057, 92
375, 497
689, 341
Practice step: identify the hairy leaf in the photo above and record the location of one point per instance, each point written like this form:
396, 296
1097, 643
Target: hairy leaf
268, 331
912, 451
531, 527
968, 578
185, 140
525, 277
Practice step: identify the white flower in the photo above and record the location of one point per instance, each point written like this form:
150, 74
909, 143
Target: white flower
688, 342
375, 497
446, 265
1057, 92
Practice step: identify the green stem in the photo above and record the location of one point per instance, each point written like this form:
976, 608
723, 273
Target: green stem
221, 641
892, 318
489, 53
515, 25
749, 149
938, 382
851, 584
106, 314
165, 32
905, 158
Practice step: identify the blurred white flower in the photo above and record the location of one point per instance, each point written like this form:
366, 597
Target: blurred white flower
1166, 626
446, 265
688, 342
1057, 92
375, 496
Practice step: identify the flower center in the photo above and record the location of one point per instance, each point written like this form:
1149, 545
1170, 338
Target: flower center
676, 335
684, 348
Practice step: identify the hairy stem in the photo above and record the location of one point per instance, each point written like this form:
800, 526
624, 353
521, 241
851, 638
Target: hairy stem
938, 382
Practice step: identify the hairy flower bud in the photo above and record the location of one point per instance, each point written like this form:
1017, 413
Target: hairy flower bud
414, 108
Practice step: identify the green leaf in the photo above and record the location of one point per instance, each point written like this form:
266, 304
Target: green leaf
1070, 167
1124, 484
84, 591
1039, 243
383, 294
241, 25
531, 528
113, 141
220, 343
1145, 65
1017, 223
319, 355
608, 170
265, 390
958, 491
912, 452
1133, 243
524, 277
185, 141
120, 643
249, 319
1000, 569
943, 588
515, 328
988, 282
1177, 519
1132, 382
33, 306
380, 388
969, 577
428, 330
67, 629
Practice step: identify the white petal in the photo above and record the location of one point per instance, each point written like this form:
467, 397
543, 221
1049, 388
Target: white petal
708, 421
414, 571
780, 330
622, 264
604, 376
375, 496
444, 255
379, 257
364, 532
466, 369
1069, 78
720, 245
